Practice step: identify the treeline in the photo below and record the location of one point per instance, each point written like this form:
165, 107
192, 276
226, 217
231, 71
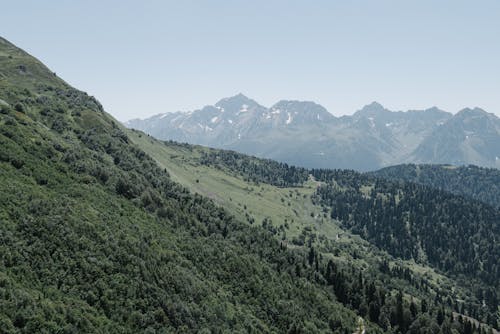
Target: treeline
254, 169
482, 184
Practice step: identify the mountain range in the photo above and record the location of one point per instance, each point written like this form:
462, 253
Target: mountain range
306, 134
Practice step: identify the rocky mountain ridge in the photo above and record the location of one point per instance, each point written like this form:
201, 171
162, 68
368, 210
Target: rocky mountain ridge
306, 134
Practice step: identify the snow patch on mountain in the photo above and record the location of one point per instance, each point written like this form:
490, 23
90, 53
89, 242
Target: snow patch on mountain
372, 123
244, 108
205, 127
175, 118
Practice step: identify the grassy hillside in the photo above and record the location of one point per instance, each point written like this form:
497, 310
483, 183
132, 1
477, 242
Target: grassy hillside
245, 199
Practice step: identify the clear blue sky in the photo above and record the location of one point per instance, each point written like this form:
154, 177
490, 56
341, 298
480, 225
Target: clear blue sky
146, 57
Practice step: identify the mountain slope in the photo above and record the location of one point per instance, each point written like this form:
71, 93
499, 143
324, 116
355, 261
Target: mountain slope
241, 184
386, 203
481, 184
96, 238
472, 136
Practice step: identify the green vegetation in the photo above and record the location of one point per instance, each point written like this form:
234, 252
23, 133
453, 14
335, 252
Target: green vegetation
482, 184
450, 233
286, 209
453, 234
246, 194
256, 170
97, 234
96, 238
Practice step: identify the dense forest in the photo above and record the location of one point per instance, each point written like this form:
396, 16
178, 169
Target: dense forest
455, 235
452, 233
95, 237
411, 221
482, 184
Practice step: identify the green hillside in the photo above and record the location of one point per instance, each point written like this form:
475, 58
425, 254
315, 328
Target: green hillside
95, 237
291, 214
105, 230
482, 184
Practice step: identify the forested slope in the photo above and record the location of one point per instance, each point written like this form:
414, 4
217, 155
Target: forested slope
96, 238
218, 174
482, 184
455, 234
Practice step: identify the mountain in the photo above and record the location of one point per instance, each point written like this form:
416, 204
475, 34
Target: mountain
107, 230
306, 134
472, 136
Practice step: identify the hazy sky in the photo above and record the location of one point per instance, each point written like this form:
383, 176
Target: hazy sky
141, 58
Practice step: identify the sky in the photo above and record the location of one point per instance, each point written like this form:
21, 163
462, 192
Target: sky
141, 58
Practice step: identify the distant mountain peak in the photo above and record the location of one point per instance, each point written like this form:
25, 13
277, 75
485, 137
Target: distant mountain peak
297, 104
375, 105
302, 112
434, 112
237, 100
434, 109
472, 112
372, 108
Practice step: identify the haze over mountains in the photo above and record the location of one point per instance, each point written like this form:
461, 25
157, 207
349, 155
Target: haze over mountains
306, 134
